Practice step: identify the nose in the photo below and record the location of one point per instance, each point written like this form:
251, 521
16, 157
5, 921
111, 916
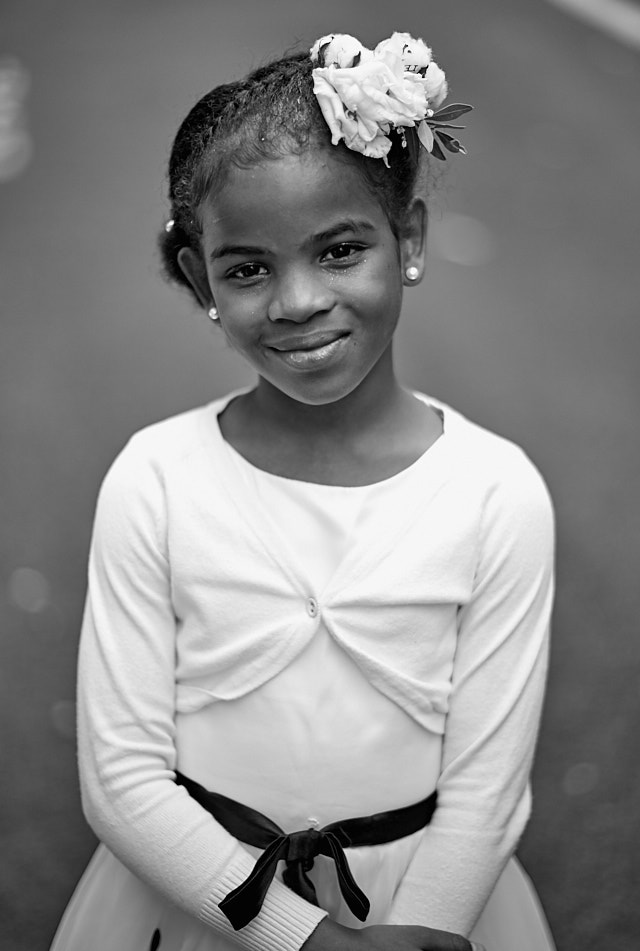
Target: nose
299, 294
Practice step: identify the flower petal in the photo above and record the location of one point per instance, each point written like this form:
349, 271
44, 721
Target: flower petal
339, 49
330, 105
414, 53
436, 84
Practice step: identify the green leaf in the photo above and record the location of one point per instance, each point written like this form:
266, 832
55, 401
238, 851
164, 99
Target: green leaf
450, 144
425, 135
444, 125
437, 151
449, 113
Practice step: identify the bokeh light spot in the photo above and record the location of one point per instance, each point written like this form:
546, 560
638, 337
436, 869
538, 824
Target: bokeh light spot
29, 590
580, 779
15, 141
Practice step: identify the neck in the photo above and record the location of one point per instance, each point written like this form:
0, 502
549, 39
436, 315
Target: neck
371, 434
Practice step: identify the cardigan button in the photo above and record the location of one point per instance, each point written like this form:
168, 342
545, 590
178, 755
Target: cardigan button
312, 607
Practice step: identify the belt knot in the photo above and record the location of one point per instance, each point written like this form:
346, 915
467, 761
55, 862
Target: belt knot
303, 847
298, 850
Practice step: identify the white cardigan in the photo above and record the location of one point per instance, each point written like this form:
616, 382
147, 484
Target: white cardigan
189, 604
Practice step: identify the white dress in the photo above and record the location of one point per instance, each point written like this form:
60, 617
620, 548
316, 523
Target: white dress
325, 744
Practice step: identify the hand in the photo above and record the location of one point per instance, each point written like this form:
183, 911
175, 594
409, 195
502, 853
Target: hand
329, 936
415, 938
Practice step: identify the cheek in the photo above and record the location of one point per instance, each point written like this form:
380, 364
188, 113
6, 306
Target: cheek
384, 290
238, 312
240, 324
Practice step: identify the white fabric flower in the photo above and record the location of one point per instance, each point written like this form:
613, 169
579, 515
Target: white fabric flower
365, 94
339, 49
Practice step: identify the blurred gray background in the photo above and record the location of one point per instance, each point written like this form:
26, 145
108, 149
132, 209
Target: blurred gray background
527, 322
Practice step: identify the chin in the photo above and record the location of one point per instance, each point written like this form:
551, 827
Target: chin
320, 395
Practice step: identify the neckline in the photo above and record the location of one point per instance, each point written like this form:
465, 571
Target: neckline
434, 449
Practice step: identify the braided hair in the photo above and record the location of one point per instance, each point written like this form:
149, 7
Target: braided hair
271, 113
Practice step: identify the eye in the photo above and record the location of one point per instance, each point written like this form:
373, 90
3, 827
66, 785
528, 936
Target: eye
247, 272
346, 252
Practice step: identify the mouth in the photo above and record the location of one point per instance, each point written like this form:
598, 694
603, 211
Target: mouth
310, 350
308, 341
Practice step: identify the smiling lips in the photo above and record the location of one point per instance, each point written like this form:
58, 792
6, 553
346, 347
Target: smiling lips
309, 350
309, 341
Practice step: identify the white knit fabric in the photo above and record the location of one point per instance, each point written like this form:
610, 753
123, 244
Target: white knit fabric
442, 601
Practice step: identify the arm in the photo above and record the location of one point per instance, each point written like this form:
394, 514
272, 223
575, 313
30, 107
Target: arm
126, 692
491, 728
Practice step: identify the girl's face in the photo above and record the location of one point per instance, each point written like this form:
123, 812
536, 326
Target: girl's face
305, 272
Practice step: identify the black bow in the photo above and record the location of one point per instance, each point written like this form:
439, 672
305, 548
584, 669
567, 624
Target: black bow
298, 850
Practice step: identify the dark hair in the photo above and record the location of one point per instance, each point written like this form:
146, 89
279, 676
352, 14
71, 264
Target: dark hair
271, 113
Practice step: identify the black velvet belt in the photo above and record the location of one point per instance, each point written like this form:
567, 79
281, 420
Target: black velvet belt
298, 849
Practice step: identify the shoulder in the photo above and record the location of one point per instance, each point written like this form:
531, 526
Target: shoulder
507, 486
152, 456
169, 442
488, 457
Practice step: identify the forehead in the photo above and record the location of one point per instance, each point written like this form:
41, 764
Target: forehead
299, 192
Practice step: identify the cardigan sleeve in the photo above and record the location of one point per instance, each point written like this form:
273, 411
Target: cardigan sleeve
126, 690
491, 727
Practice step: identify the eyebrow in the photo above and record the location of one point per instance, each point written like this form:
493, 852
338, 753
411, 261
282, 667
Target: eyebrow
225, 250
348, 224
243, 250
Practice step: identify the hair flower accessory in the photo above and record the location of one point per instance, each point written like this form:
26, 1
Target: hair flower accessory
364, 94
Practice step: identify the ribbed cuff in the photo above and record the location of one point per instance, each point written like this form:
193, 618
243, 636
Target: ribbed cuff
285, 920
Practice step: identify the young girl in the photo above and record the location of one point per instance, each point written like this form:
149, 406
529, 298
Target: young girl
315, 639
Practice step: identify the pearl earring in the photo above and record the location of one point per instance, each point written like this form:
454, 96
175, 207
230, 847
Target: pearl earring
213, 313
412, 273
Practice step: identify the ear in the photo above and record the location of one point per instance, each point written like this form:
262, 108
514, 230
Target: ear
413, 244
192, 266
